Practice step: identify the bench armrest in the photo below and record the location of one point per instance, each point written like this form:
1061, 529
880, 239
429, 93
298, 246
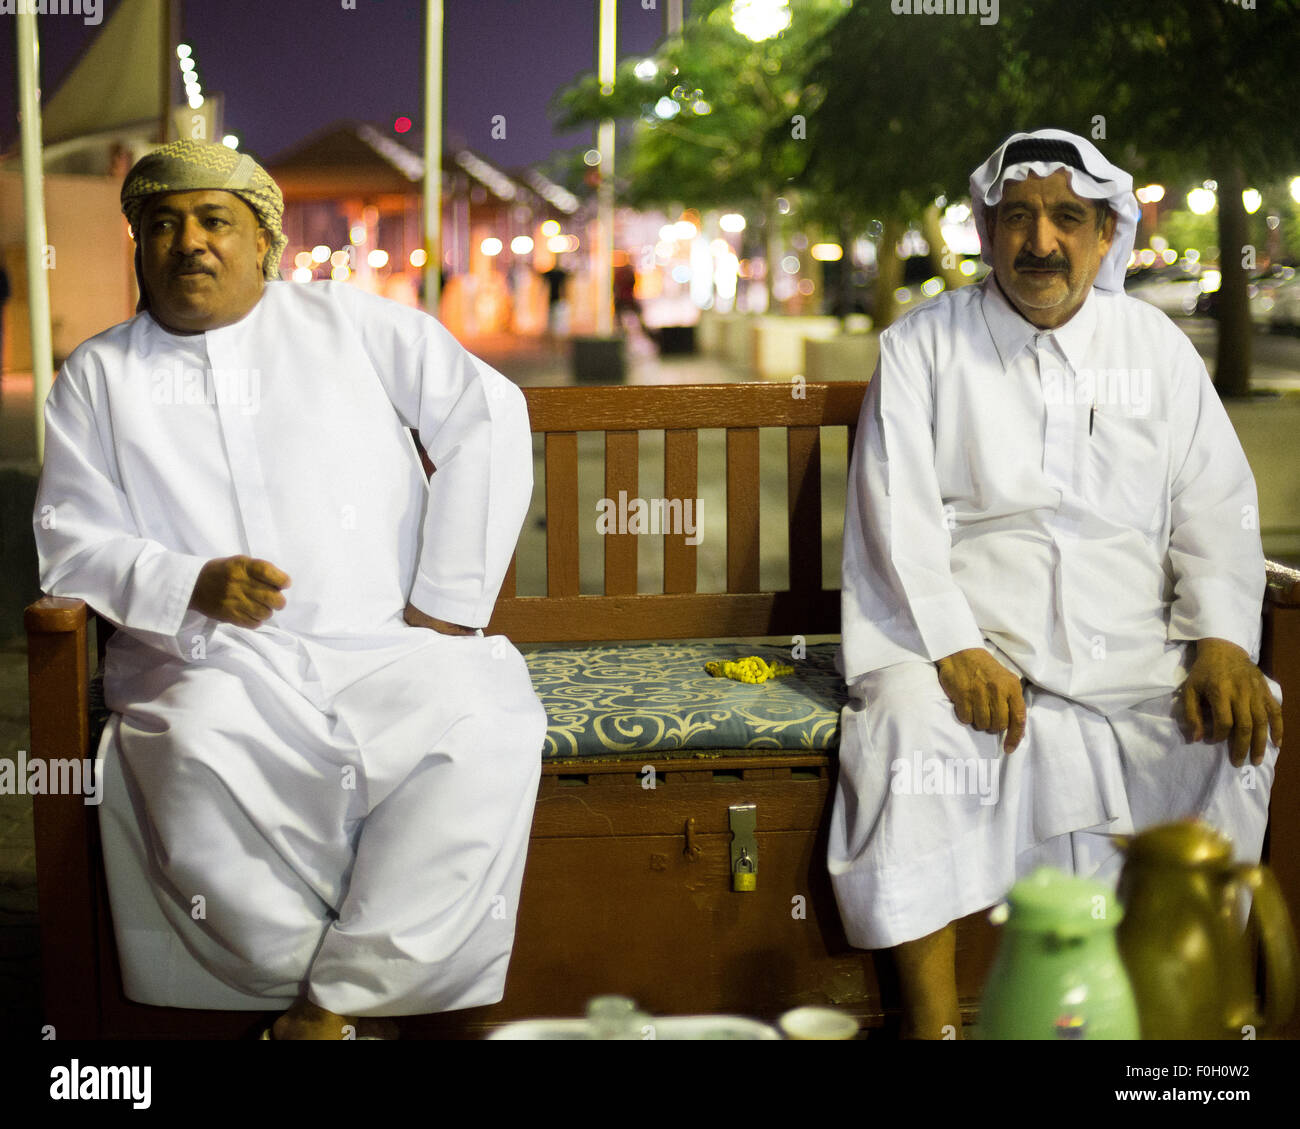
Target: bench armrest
58, 684
1283, 588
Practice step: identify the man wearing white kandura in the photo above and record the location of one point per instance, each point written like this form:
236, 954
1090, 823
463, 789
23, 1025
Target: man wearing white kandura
1052, 581
319, 741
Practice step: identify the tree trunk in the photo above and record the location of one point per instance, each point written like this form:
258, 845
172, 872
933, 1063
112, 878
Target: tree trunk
1232, 363
772, 245
844, 299
889, 273
932, 229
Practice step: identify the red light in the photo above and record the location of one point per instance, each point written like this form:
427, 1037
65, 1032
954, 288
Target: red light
402, 125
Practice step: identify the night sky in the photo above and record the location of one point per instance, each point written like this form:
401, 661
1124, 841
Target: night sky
288, 68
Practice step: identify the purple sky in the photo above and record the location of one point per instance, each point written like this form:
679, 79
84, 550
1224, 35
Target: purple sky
288, 68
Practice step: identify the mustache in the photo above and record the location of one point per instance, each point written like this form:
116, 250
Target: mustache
193, 263
1026, 261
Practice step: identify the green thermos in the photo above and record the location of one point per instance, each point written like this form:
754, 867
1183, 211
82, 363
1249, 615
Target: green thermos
1058, 973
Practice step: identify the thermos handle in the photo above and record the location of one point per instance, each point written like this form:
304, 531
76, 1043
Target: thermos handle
1268, 908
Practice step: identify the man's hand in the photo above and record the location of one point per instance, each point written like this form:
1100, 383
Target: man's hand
417, 618
1239, 701
985, 694
239, 590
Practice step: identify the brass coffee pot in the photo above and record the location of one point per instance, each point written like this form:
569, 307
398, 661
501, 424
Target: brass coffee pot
1182, 938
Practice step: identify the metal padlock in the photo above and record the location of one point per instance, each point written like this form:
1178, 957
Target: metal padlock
743, 820
744, 880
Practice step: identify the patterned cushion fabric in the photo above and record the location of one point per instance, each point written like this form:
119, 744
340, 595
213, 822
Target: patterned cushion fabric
653, 698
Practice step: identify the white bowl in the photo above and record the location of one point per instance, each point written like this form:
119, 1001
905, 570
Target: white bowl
817, 1023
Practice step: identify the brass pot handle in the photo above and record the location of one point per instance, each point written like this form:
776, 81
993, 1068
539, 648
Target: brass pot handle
1269, 910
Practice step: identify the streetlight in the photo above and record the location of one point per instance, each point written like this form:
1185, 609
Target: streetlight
758, 20
1201, 201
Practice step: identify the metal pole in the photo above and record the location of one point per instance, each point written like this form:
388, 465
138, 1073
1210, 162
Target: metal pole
38, 287
432, 218
167, 32
603, 259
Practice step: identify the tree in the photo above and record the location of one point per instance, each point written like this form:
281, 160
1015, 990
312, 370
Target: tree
900, 99
1199, 92
716, 122
1170, 92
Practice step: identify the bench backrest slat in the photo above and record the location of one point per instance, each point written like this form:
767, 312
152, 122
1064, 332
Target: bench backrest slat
680, 412
561, 513
681, 480
742, 509
804, 491
621, 478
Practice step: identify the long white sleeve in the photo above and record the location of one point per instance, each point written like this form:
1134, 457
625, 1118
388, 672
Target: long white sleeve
473, 424
1214, 542
899, 599
87, 540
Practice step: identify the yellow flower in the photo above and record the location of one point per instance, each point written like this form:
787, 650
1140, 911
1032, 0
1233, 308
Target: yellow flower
752, 669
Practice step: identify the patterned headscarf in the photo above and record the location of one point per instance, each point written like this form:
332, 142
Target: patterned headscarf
195, 166
1093, 177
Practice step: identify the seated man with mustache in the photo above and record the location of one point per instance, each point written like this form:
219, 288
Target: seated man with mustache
1052, 536
332, 768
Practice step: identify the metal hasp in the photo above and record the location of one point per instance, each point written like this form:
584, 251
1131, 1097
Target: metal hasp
744, 847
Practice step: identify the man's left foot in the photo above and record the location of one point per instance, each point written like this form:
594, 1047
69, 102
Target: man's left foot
304, 1020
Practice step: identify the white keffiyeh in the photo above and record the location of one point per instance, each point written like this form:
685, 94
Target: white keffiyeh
1092, 177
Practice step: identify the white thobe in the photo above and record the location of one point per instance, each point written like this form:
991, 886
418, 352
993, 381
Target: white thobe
338, 803
1077, 502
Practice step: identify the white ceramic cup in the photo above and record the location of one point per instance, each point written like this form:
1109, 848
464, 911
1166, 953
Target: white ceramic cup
817, 1023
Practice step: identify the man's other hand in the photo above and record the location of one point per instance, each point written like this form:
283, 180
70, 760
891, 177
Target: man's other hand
417, 618
239, 590
1232, 688
984, 693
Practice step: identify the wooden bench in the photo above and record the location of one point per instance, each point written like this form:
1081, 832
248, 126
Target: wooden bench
627, 889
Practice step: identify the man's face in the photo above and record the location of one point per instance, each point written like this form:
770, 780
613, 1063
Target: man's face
1047, 247
201, 257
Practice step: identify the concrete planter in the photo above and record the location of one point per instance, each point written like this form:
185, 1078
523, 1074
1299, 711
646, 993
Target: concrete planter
846, 356
778, 342
1267, 429
708, 332
736, 339
724, 335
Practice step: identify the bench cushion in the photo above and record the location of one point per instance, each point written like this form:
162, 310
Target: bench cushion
657, 699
